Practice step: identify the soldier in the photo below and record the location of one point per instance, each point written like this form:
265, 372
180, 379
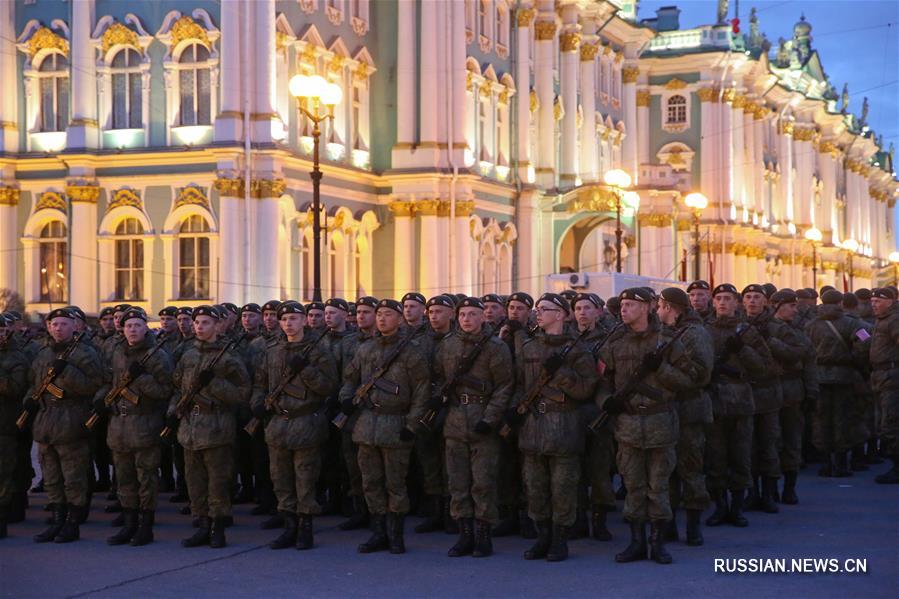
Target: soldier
387, 415
185, 323
865, 312
271, 325
137, 417
729, 453
646, 425
351, 315
694, 412
168, 324
551, 437
478, 400
807, 300
884, 365
861, 411
613, 305
231, 318
106, 320
208, 425
254, 483
58, 427
494, 310
186, 329
291, 388
13, 383
414, 309
315, 316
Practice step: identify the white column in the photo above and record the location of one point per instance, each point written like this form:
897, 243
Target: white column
82, 273
826, 217
430, 281
523, 96
458, 72
543, 75
263, 55
9, 237
803, 157
751, 164
229, 123
9, 117
629, 76
643, 100
233, 254
265, 283
726, 146
569, 42
406, 88
402, 247
786, 175
428, 90
462, 247
589, 166
708, 149
83, 129
758, 174
738, 157
527, 247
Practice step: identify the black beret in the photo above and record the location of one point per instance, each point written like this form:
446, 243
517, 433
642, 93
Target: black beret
599, 300
850, 300
459, 297
804, 294
491, 298
652, 292
613, 303
314, 306
290, 308
557, 299
884, 293
586, 297
133, 313
441, 300
815, 293
568, 294
107, 311
676, 296
352, 306
784, 296
230, 307
209, 311
168, 311
391, 304
251, 307
271, 306
521, 296
637, 294
77, 313
13, 314
339, 303
367, 300
121, 307
863, 294
700, 284
832, 296
770, 289
185, 310
471, 302
754, 288
60, 313
725, 288
415, 297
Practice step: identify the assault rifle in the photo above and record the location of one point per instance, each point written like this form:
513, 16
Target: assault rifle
47, 385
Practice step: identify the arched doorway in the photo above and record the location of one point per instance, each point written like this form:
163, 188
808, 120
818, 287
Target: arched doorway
588, 245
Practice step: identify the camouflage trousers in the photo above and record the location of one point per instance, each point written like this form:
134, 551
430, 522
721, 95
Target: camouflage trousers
65, 468
8, 458
888, 402
646, 474
729, 454
861, 410
350, 453
688, 488
599, 463
551, 483
209, 474
384, 472
830, 424
429, 453
137, 477
792, 425
766, 443
295, 474
510, 480
471, 470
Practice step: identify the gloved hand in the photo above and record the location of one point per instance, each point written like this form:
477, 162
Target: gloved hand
298, 363
733, 344
513, 418
30, 406
482, 428
135, 369
59, 365
347, 406
259, 411
651, 361
553, 363
205, 377
614, 405
407, 435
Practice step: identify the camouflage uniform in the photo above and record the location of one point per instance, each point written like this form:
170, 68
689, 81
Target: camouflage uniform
885, 379
799, 380
599, 455
429, 448
13, 383
348, 449
340, 345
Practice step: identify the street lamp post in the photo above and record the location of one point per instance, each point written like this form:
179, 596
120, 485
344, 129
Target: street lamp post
619, 181
697, 203
851, 246
894, 260
814, 236
313, 93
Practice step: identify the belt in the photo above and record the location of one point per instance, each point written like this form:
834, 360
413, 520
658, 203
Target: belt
304, 410
464, 399
884, 365
543, 406
642, 410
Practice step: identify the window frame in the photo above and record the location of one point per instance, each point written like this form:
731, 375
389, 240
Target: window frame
204, 234
58, 242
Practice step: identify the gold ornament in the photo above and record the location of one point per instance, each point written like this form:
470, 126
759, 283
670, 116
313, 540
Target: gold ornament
546, 30
117, 34
192, 195
45, 39
643, 97
267, 188
50, 199
533, 102
124, 197
631, 74
803, 133
589, 52
525, 16
83, 193
425, 207
675, 83
569, 41
400, 208
707, 94
9, 196
186, 28
729, 95
655, 220
232, 188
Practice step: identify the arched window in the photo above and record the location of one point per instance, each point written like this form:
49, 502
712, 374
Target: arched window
195, 85
54, 78
53, 264
676, 110
127, 100
193, 258
469, 20
484, 18
129, 260
502, 24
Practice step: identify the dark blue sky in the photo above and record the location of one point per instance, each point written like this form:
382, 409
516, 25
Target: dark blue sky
856, 40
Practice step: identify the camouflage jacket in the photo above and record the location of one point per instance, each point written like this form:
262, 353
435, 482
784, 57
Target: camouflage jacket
799, 378
14, 373
783, 346
694, 406
300, 420
730, 389
839, 358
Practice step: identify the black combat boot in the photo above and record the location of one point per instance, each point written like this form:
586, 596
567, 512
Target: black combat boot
113, 508
304, 532
841, 465
581, 527
58, 519
276, 521
600, 530
4, 520
378, 539
789, 497
558, 547
671, 533
694, 529
719, 516
185, 511
508, 522
359, 519
71, 530
544, 538
395, 523
129, 527
636, 549
526, 527
753, 498
289, 537
18, 506
434, 520
450, 526
483, 539
657, 551
766, 501
857, 464
891, 476
465, 544
217, 533
144, 534
735, 516
201, 537
119, 520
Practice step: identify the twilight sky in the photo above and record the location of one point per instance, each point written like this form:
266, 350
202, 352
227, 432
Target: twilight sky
857, 40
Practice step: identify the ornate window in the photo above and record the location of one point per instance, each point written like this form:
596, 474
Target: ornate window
469, 21
676, 109
53, 73
53, 263
193, 258
129, 260
195, 86
502, 29
485, 26
127, 96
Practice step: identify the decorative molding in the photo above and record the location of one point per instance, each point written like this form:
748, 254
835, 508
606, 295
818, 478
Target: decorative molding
267, 188
829, 147
631, 74
786, 128
360, 26
526, 16
533, 102
739, 101
558, 109
729, 95
9, 196
50, 200
400, 208
804, 133
546, 30
125, 197
569, 41
589, 52
655, 220
192, 195
118, 34
425, 207
232, 188
643, 97
186, 28
83, 193
45, 39
707, 94
673, 83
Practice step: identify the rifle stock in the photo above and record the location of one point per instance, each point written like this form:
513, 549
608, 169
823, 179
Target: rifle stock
25, 416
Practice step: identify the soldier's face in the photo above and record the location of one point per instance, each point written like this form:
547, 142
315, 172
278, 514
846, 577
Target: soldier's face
335, 318
787, 312
365, 317
80, 325
250, 321
699, 299
206, 327
879, 305
62, 328
634, 312
107, 324
667, 314
185, 324
518, 311
549, 315
221, 326
270, 320
413, 311
493, 312
315, 319
117, 319
585, 313
754, 302
725, 304
169, 323
471, 319
440, 317
292, 324
135, 330
388, 321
